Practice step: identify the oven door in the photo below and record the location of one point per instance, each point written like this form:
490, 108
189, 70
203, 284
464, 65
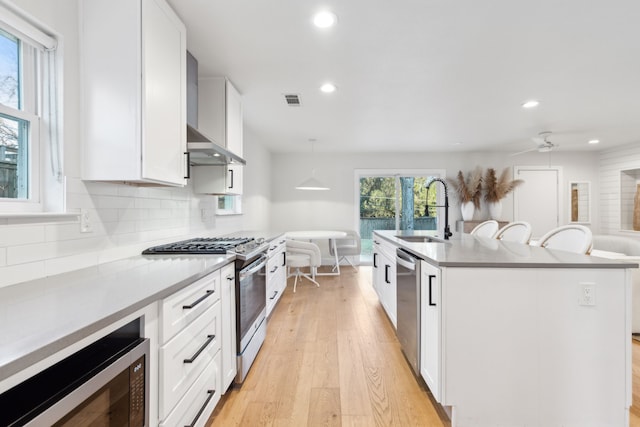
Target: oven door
251, 299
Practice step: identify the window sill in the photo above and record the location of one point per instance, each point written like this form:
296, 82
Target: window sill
218, 213
44, 216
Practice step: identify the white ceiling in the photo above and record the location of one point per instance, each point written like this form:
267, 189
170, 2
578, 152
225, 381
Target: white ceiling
426, 75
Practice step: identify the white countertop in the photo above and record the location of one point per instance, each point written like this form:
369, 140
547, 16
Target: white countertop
41, 317
465, 250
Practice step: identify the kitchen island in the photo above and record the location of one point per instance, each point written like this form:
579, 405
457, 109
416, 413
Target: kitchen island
517, 335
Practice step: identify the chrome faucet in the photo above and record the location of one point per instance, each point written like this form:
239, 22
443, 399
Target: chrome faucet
447, 230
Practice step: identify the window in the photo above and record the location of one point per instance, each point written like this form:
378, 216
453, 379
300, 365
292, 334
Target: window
395, 200
229, 205
29, 153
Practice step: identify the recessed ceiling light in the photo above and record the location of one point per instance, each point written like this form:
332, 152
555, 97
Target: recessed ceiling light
531, 104
325, 19
328, 88
594, 141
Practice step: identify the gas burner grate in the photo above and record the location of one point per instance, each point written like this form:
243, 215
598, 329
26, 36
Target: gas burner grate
199, 245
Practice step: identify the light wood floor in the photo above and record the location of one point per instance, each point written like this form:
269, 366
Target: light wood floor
331, 358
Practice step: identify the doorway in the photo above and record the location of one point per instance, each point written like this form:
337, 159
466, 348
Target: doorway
394, 200
537, 201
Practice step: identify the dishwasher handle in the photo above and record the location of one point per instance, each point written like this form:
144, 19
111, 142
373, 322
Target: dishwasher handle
404, 259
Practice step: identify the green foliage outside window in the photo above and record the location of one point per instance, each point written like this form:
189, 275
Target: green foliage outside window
378, 197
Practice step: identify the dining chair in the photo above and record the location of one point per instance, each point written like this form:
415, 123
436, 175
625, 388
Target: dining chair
517, 231
485, 229
573, 238
300, 255
349, 246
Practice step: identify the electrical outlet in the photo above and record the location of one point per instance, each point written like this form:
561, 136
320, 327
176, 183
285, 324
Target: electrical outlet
85, 221
587, 294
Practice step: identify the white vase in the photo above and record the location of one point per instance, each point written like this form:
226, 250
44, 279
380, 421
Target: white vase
467, 210
495, 210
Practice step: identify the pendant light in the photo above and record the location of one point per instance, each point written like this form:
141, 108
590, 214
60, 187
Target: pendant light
312, 183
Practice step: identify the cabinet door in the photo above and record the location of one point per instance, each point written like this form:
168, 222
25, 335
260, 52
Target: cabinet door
217, 179
377, 268
234, 179
164, 107
133, 55
390, 291
228, 324
234, 120
430, 325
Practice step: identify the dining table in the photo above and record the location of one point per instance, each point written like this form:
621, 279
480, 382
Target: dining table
330, 235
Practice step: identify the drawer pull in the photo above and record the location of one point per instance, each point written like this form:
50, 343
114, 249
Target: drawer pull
273, 270
206, 402
199, 300
230, 278
431, 277
201, 349
275, 293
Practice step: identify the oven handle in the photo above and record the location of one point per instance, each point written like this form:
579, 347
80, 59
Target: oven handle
254, 267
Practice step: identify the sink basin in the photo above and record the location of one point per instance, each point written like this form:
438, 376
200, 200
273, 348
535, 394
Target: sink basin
420, 239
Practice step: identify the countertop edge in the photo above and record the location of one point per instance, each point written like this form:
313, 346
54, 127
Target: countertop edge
605, 263
22, 362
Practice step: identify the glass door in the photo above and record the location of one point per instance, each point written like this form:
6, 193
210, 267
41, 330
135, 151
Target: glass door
397, 200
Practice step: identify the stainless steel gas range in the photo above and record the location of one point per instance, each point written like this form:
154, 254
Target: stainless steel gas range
250, 266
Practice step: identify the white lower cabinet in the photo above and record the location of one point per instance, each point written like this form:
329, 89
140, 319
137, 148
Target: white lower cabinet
228, 322
199, 402
276, 272
384, 277
430, 328
196, 355
184, 358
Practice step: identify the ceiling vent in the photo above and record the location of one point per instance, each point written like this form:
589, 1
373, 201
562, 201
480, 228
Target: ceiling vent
292, 99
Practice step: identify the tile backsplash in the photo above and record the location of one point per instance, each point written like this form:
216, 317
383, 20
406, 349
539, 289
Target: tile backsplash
122, 219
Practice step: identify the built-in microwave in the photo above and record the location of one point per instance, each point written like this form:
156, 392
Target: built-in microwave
104, 384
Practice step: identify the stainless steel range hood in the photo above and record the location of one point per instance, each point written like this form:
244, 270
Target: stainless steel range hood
202, 149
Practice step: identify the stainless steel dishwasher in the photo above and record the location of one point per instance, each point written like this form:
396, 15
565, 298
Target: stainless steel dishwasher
408, 297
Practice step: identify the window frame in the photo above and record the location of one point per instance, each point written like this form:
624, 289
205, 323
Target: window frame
395, 173
39, 58
236, 209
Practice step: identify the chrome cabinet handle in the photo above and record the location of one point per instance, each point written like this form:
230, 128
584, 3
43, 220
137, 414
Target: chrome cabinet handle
199, 300
206, 402
200, 350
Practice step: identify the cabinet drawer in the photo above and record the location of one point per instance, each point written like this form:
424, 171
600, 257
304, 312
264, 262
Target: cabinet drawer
199, 402
181, 308
275, 246
186, 355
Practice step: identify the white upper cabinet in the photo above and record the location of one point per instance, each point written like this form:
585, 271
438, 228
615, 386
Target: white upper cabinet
220, 112
133, 56
218, 179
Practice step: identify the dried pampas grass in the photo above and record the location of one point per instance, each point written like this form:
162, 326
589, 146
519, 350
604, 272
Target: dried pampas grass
470, 189
495, 189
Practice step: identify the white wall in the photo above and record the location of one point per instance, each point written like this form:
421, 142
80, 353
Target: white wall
125, 219
611, 163
295, 209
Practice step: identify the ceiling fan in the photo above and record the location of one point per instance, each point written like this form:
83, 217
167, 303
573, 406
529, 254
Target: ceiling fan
542, 142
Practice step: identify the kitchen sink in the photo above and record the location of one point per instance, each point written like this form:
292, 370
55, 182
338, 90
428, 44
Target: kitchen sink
420, 239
